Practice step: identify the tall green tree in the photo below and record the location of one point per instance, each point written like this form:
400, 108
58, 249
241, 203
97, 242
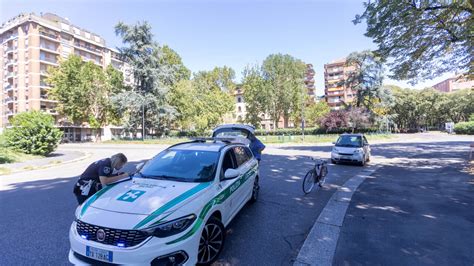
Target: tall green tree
202, 103
315, 111
366, 79
146, 105
284, 76
67, 89
256, 95
174, 63
83, 91
421, 39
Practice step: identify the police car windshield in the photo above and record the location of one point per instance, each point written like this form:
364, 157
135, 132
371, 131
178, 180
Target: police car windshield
182, 165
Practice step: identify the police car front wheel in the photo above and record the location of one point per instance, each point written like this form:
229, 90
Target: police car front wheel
211, 242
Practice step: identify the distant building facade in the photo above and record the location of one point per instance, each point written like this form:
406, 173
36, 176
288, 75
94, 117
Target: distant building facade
335, 91
454, 84
31, 43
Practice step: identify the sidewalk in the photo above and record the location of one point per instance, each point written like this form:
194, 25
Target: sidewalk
58, 157
417, 213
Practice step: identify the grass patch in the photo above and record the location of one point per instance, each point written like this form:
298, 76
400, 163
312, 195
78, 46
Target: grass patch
11, 156
265, 139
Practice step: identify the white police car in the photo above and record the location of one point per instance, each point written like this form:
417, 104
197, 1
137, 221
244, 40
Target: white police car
172, 212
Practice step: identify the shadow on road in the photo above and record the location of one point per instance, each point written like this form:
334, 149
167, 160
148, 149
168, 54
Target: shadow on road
416, 211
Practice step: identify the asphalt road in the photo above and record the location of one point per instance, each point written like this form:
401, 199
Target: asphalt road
416, 212
36, 211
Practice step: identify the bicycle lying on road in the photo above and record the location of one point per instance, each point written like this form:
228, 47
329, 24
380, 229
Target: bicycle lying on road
316, 175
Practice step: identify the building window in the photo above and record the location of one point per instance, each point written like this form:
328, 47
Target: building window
240, 109
239, 99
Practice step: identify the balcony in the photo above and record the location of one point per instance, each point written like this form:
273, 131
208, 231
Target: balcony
9, 100
88, 48
49, 36
44, 84
8, 88
49, 48
52, 112
11, 37
44, 98
10, 75
10, 62
9, 113
48, 60
10, 49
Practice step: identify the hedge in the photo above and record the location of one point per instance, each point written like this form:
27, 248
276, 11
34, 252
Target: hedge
311, 131
466, 128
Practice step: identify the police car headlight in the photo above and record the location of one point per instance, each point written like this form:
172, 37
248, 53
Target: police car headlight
359, 150
172, 227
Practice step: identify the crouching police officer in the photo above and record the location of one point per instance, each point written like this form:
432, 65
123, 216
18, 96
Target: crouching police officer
99, 174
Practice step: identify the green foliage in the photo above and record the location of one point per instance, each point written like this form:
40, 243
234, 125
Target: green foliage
255, 94
33, 133
464, 128
413, 109
284, 77
67, 89
202, 103
83, 91
315, 111
366, 79
421, 39
155, 69
175, 64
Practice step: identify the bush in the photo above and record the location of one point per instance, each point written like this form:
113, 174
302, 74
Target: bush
464, 128
33, 133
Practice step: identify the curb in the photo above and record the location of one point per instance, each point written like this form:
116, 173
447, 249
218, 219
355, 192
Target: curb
320, 244
20, 170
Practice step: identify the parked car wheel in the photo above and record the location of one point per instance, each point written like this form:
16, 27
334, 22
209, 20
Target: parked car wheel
255, 190
212, 241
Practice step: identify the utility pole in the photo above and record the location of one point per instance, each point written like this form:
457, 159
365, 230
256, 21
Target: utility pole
302, 112
143, 119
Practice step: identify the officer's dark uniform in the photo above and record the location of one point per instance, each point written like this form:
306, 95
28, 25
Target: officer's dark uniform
91, 174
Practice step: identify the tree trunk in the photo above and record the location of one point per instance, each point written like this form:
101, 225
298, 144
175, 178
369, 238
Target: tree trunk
97, 135
285, 121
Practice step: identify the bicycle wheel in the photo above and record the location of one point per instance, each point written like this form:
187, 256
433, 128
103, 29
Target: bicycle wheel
308, 182
324, 173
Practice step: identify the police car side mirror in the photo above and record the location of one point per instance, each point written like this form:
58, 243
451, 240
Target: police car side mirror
231, 174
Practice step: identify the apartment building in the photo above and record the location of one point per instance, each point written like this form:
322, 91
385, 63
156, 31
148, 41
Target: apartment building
453, 84
240, 111
309, 81
336, 92
30, 44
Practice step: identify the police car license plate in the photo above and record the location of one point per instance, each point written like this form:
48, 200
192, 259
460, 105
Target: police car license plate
100, 254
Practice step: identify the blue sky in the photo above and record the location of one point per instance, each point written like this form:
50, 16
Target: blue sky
235, 33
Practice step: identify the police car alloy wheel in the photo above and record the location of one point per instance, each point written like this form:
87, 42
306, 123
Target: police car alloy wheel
211, 242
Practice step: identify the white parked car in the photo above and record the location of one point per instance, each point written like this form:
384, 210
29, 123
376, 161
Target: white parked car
351, 148
172, 212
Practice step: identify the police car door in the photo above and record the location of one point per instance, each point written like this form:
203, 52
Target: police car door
227, 187
242, 187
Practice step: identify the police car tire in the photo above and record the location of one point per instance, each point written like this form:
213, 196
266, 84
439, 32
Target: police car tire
255, 191
213, 221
